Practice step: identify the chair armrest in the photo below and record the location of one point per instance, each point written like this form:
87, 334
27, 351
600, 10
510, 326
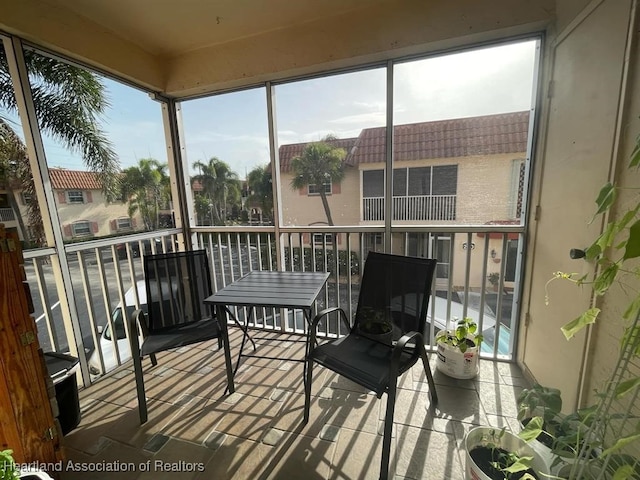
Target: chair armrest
400, 347
314, 323
135, 320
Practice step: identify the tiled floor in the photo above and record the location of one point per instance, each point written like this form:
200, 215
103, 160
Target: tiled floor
194, 431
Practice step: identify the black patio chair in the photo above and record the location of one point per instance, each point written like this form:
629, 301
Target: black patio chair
176, 315
394, 292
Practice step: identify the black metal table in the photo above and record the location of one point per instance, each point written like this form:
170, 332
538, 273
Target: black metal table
268, 289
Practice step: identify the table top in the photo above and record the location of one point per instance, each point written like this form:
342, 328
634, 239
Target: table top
272, 289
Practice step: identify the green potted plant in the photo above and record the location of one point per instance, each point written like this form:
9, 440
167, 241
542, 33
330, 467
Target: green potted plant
376, 324
458, 351
8, 469
559, 437
495, 454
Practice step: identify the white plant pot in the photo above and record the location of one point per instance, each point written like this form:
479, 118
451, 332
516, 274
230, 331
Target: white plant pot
487, 436
452, 362
547, 454
35, 474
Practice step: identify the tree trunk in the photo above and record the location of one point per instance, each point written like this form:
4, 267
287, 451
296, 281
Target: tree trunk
325, 204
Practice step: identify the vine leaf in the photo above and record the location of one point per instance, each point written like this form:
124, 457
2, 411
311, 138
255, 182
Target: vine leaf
635, 155
627, 386
532, 430
605, 279
577, 324
606, 197
621, 443
633, 242
623, 473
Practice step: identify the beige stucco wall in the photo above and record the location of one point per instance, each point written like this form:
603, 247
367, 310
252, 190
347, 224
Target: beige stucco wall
607, 332
574, 158
98, 210
300, 209
485, 193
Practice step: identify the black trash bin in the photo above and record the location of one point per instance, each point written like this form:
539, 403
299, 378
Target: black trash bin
62, 369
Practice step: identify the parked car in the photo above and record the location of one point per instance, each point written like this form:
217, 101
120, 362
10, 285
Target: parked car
117, 320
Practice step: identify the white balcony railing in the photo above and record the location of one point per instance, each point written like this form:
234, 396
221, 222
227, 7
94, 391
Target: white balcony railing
105, 272
413, 207
7, 215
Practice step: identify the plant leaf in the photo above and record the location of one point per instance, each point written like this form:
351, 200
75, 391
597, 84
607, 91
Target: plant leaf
577, 324
523, 463
623, 473
532, 430
621, 443
593, 251
633, 242
606, 238
635, 155
625, 387
605, 279
632, 309
606, 197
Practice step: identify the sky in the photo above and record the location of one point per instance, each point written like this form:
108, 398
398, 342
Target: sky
233, 126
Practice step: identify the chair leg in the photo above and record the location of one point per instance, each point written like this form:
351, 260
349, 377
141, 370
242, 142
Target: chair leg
142, 400
307, 390
154, 361
427, 371
388, 430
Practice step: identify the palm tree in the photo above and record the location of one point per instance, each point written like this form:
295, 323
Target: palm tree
320, 163
260, 186
220, 188
146, 189
68, 101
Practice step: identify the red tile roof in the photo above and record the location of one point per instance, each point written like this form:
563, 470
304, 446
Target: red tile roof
460, 137
62, 179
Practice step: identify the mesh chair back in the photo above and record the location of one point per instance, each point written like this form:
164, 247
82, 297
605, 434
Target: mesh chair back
177, 284
395, 292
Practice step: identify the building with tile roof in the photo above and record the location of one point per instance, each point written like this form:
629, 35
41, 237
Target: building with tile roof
460, 171
82, 207
465, 171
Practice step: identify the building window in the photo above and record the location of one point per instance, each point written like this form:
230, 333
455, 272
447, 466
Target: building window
75, 196
81, 229
312, 189
373, 183
321, 238
25, 198
124, 223
511, 261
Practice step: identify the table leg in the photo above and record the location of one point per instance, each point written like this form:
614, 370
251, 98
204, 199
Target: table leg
222, 319
307, 346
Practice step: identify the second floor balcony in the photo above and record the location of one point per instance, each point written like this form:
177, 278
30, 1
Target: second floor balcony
411, 208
